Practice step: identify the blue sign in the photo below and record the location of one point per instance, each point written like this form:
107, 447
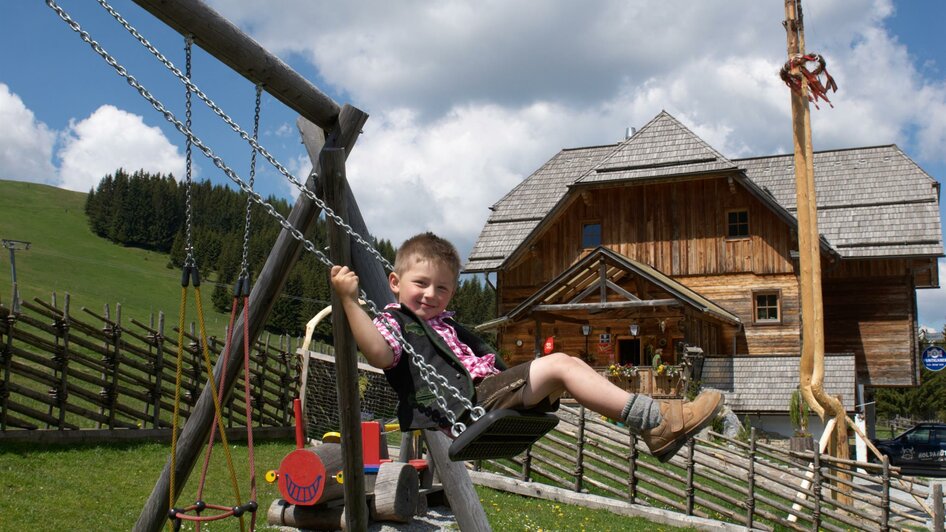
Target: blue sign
934, 358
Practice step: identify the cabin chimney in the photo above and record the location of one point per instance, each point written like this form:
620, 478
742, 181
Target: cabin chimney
629, 132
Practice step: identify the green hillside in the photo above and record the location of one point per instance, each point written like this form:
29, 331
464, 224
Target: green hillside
66, 257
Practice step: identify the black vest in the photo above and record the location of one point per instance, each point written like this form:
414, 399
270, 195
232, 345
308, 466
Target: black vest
417, 404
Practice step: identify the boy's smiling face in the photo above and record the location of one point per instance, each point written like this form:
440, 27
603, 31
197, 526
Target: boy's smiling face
425, 287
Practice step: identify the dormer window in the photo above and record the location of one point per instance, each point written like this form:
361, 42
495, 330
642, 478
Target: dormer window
590, 235
737, 224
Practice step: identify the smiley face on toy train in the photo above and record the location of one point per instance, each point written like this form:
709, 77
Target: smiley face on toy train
301, 477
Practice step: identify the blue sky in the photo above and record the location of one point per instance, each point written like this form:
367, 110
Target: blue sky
468, 98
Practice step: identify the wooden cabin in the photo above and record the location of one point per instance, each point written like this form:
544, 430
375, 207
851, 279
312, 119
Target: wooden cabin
621, 251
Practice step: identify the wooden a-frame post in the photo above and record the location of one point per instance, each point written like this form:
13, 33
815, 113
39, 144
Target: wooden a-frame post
811, 366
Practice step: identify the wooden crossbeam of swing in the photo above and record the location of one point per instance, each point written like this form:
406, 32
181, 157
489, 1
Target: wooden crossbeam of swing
230, 45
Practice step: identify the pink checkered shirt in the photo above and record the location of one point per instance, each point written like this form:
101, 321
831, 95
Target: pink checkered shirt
478, 367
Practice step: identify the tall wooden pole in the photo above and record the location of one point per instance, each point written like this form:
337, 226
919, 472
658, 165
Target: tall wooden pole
811, 366
346, 357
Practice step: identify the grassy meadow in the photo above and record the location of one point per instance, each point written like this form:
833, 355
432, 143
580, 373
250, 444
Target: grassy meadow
104, 487
66, 257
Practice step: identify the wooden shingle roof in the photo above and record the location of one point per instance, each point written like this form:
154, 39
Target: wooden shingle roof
519, 212
873, 202
662, 148
762, 384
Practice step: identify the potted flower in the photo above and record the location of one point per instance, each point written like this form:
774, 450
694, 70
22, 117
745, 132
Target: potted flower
798, 414
621, 374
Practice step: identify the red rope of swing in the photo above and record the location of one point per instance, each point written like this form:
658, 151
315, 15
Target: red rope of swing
240, 291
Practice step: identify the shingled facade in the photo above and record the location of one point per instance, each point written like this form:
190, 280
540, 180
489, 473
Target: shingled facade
662, 236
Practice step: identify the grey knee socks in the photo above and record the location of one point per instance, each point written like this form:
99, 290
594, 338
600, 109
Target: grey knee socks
641, 413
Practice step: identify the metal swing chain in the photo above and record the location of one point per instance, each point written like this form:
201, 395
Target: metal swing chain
189, 261
244, 135
244, 264
428, 372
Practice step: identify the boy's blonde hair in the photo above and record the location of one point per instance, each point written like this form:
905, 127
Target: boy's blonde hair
427, 246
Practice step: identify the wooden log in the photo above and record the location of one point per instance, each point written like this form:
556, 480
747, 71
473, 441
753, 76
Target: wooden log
63, 325
31, 412
346, 358
319, 517
938, 508
13, 421
395, 493
560, 481
456, 483
371, 275
229, 44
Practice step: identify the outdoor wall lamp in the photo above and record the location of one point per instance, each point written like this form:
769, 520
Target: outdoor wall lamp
586, 330
635, 328
518, 343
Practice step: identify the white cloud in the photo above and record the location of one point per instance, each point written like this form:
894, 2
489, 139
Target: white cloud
411, 176
111, 138
26, 144
467, 98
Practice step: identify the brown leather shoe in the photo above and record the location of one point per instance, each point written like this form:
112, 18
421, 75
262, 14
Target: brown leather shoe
680, 422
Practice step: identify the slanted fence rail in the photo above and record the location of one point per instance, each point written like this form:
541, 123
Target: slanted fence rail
63, 372
750, 483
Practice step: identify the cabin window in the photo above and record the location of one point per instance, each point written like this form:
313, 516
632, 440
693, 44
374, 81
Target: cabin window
590, 235
737, 224
767, 307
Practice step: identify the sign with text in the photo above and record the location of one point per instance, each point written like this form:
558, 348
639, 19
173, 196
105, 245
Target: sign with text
934, 358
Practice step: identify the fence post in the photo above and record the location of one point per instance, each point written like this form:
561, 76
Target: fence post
632, 469
259, 378
109, 393
938, 507
157, 338
193, 391
885, 495
286, 357
580, 459
750, 498
690, 467
816, 491
60, 393
6, 353
527, 465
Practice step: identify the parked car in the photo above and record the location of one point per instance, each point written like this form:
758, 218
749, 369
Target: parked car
920, 450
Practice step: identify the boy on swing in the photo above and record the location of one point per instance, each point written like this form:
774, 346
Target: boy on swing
424, 280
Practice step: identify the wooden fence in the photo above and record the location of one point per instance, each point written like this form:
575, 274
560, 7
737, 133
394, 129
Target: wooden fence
60, 372
753, 483
898, 425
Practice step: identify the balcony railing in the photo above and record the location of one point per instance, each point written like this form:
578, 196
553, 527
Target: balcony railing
669, 383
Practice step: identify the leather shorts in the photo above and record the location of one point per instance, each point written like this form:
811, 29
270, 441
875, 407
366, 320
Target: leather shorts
506, 390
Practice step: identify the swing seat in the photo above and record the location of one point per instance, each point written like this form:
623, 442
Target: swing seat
501, 434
